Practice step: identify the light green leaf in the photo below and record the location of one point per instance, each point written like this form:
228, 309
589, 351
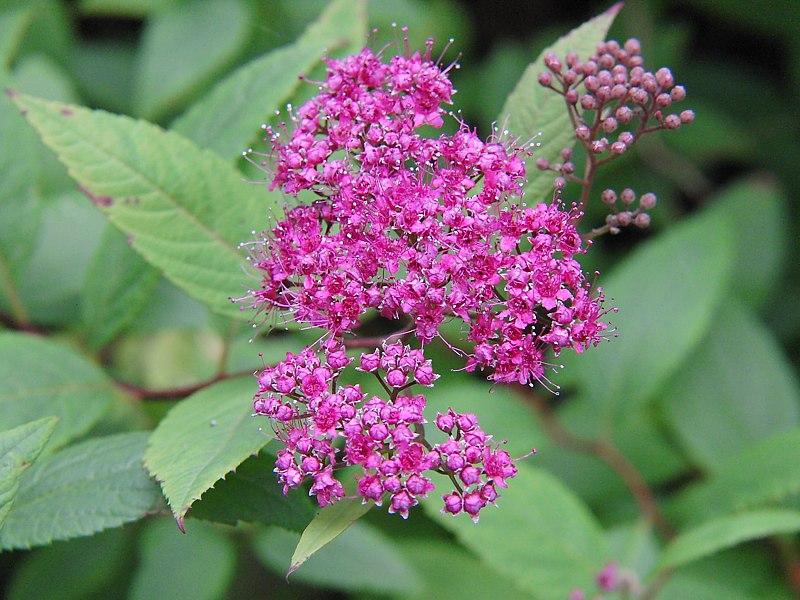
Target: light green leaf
118, 286
668, 292
761, 473
182, 49
738, 387
184, 210
19, 447
331, 522
198, 565
726, 532
75, 570
202, 439
540, 535
13, 24
83, 489
39, 377
227, 119
360, 559
126, 8
532, 109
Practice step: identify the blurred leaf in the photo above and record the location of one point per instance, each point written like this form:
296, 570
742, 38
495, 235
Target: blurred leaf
104, 71
762, 235
773, 18
19, 447
331, 521
39, 75
203, 438
83, 489
124, 8
252, 494
183, 49
725, 532
667, 291
448, 572
118, 286
360, 559
13, 23
531, 109
198, 565
761, 473
50, 32
76, 570
227, 119
39, 377
184, 209
540, 536
737, 388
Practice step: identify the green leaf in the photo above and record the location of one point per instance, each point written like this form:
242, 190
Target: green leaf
726, 532
203, 438
668, 292
198, 565
118, 286
252, 494
332, 521
182, 49
19, 447
76, 570
541, 535
737, 388
761, 473
360, 559
39, 377
227, 119
13, 24
184, 210
531, 109
124, 8
83, 489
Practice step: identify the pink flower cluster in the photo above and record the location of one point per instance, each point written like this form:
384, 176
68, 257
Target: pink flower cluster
419, 230
381, 436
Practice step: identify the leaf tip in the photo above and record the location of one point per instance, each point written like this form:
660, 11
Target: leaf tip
180, 521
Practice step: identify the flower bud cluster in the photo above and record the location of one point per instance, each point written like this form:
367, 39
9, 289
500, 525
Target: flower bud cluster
612, 98
611, 579
622, 211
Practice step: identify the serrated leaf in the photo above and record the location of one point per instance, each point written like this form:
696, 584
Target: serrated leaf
331, 522
360, 559
118, 285
184, 48
185, 210
39, 377
737, 388
668, 291
95, 485
762, 473
532, 109
198, 565
252, 494
202, 439
76, 570
227, 119
540, 535
726, 532
19, 447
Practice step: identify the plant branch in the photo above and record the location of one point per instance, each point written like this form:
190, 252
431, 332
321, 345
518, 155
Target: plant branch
176, 393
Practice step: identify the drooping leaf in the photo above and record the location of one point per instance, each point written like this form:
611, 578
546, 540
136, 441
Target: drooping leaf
726, 532
668, 292
736, 388
360, 559
183, 48
39, 377
227, 119
202, 439
531, 109
75, 570
198, 565
331, 522
117, 287
19, 447
185, 210
95, 485
540, 535
252, 494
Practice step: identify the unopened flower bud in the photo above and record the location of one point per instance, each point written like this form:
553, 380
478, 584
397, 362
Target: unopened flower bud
560, 183
624, 218
588, 102
612, 46
624, 114
608, 196
571, 58
604, 93
647, 201
619, 91
605, 78
582, 132
619, 74
639, 95
545, 79
609, 124
568, 168
672, 121
571, 96
627, 196
551, 62
542, 164
445, 422
452, 503
591, 83
633, 47
570, 76
649, 83
678, 93
619, 147
566, 153
687, 116
606, 61
642, 220
589, 67
626, 137
600, 146
663, 100
664, 78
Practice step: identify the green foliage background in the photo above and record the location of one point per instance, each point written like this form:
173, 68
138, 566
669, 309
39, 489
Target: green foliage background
122, 361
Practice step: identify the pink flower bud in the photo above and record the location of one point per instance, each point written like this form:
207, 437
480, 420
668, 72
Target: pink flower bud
663, 100
633, 46
624, 114
571, 96
647, 201
588, 102
664, 78
627, 196
687, 116
608, 196
619, 147
545, 79
642, 220
542, 164
570, 76
591, 83
551, 62
609, 125
672, 121
582, 132
678, 93
624, 218
452, 503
